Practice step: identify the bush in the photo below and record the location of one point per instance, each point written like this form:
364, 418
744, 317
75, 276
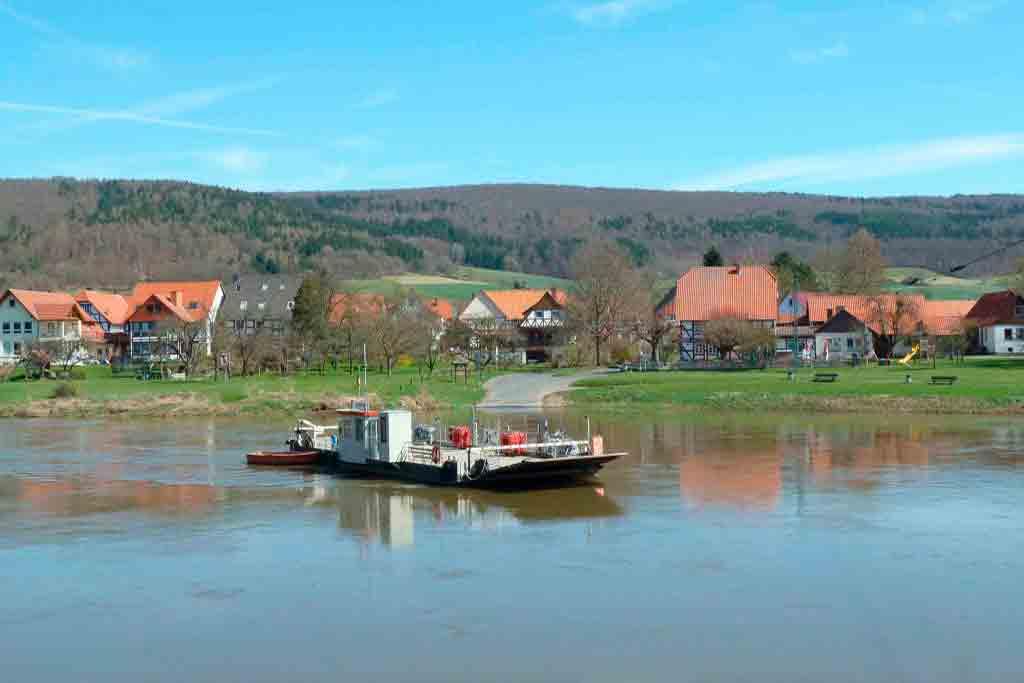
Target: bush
405, 361
65, 390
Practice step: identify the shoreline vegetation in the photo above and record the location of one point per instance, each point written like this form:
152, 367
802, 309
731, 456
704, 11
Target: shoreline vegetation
988, 386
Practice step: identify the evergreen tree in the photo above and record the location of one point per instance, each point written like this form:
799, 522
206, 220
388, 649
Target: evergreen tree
713, 258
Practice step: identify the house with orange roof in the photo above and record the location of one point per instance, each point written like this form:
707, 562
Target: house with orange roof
706, 293
528, 318
440, 308
30, 317
110, 312
159, 306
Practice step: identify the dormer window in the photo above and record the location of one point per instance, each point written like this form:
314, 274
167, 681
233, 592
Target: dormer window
242, 305
291, 305
281, 287
264, 286
10, 302
261, 305
193, 305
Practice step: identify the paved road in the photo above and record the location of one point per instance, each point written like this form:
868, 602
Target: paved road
528, 389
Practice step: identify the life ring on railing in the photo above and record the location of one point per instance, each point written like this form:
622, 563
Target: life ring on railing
435, 454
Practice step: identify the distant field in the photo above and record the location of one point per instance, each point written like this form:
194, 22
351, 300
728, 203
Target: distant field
465, 283
940, 286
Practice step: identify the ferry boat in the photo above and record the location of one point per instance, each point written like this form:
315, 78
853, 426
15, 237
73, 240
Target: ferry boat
384, 443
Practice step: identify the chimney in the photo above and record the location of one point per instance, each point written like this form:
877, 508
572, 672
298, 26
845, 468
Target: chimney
735, 269
176, 298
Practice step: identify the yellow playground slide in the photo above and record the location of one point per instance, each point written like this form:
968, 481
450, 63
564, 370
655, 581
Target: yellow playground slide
910, 356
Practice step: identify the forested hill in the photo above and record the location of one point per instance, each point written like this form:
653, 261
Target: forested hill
109, 233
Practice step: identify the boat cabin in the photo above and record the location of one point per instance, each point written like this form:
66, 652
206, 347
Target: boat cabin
365, 434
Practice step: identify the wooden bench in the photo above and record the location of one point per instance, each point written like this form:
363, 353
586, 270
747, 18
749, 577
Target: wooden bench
825, 377
943, 379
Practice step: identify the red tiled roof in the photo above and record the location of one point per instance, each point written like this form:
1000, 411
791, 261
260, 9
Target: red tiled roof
513, 303
199, 295
821, 305
358, 303
51, 306
114, 307
167, 305
442, 308
743, 292
996, 307
943, 318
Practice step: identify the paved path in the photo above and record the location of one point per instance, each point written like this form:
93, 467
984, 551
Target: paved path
528, 389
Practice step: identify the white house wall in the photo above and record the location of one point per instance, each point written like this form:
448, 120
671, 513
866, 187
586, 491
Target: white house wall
993, 338
9, 315
480, 309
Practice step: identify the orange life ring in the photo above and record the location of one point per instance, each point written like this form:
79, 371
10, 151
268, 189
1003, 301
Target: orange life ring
435, 455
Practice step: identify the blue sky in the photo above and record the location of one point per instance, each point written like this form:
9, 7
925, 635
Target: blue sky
863, 98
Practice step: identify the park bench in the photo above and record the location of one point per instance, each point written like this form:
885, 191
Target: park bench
943, 379
825, 376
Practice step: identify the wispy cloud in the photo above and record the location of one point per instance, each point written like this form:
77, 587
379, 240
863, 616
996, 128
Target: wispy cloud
130, 117
614, 12
238, 160
865, 164
838, 51
187, 101
104, 56
953, 12
378, 98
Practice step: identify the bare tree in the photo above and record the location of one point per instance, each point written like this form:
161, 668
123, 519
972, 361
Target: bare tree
861, 265
728, 334
892, 316
605, 285
426, 335
645, 323
393, 329
247, 344
184, 341
63, 354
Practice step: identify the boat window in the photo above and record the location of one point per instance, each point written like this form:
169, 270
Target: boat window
360, 430
383, 429
345, 430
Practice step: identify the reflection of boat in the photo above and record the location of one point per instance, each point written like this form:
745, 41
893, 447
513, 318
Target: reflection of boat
382, 443
283, 458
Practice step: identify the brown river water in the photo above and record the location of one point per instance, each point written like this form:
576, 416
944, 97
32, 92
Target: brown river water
726, 549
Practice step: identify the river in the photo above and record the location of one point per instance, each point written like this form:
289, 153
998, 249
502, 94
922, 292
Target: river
726, 548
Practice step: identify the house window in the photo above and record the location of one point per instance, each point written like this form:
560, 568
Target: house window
17, 328
193, 305
849, 343
1020, 333
291, 305
28, 327
7, 328
51, 329
242, 305
17, 348
251, 324
10, 302
263, 287
1007, 333
261, 305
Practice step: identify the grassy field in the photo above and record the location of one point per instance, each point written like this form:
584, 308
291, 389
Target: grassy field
462, 286
944, 287
983, 386
103, 394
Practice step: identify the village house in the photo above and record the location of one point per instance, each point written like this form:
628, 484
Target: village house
843, 337
255, 303
999, 317
525, 319
29, 317
110, 312
162, 306
703, 294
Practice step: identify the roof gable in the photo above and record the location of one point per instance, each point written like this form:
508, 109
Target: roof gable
194, 295
164, 306
842, 322
114, 307
513, 303
51, 306
996, 307
743, 292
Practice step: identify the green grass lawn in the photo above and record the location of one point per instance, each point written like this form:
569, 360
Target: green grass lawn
461, 286
983, 385
940, 286
102, 392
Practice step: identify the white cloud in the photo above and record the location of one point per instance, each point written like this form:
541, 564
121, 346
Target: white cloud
865, 164
187, 101
130, 117
103, 56
953, 12
614, 12
838, 51
238, 160
378, 98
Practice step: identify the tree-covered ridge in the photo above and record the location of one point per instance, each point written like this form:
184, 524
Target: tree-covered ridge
972, 221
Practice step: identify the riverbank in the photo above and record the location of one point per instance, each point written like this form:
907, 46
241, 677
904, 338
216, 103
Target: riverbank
102, 394
983, 386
